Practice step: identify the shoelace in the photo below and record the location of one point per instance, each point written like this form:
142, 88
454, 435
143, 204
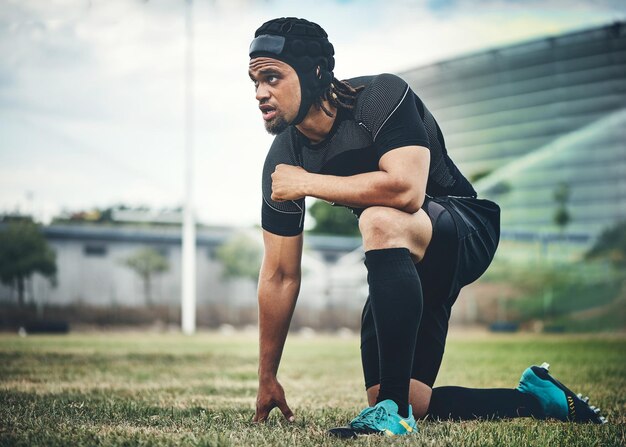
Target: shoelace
371, 417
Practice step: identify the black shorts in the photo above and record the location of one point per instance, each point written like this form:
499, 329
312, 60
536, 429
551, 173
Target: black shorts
466, 232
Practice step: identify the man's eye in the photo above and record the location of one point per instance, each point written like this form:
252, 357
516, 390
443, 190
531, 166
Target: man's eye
272, 79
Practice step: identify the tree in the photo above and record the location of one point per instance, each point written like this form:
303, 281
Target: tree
333, 220
501, 188
241, 256
476, 176
147, 262
611, 244
24, 251
561, 197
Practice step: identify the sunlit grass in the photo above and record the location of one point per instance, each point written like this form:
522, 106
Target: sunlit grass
167, 389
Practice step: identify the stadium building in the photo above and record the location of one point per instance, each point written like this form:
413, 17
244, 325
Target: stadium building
536, 120
524, 123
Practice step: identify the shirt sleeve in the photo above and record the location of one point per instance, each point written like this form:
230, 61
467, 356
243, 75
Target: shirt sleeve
403, 127
283, 223
280, 218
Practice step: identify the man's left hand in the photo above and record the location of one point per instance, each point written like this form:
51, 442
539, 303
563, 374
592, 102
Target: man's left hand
288, 183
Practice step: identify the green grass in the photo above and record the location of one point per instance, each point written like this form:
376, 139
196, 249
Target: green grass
143, 389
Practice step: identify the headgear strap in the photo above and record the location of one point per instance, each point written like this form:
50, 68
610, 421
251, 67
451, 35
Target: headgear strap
304, 46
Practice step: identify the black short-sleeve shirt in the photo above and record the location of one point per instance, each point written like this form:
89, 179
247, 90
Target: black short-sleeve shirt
387, 115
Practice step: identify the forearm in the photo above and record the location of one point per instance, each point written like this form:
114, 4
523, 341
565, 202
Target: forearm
277, 300
365, 190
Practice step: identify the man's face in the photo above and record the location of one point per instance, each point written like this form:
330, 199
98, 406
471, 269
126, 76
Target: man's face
277, 90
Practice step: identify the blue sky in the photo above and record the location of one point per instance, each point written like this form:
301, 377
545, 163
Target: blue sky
91, 92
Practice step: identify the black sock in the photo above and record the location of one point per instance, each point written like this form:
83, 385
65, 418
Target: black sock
396, 300
454, 402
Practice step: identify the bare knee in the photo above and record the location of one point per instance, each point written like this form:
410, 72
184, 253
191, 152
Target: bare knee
378, 226
383, 227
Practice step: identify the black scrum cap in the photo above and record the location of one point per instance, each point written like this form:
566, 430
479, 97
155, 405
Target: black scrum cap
304, 46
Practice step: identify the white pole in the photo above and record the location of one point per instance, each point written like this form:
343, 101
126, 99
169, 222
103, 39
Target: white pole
188, 305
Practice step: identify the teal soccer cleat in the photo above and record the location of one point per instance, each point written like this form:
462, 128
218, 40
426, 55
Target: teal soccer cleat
556, 399
381, 419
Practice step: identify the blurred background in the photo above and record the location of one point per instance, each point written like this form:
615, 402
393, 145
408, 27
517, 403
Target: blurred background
102, 104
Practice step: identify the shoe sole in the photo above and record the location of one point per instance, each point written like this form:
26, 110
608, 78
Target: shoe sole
348, 432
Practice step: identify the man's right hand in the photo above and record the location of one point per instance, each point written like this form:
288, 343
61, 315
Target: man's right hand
269, 396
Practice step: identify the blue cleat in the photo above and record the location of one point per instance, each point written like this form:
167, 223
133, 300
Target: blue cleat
557, 401
381, 419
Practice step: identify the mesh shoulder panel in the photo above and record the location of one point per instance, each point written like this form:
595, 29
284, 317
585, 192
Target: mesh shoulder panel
281, 151
349, 136
378, 101
440, 173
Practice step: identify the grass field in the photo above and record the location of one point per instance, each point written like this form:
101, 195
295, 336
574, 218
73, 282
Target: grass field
142, 389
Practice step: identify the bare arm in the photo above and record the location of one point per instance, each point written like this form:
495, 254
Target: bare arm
279, 285
400, 183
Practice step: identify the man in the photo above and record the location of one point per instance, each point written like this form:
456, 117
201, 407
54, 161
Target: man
370, 144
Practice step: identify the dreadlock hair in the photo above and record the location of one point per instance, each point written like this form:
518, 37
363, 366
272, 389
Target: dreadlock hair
339, 94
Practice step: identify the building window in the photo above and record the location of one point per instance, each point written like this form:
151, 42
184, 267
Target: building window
95, 250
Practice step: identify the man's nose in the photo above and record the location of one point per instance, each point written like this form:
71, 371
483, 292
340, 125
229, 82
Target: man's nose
262, 92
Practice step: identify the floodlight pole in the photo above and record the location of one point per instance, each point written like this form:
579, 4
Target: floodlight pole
188, 304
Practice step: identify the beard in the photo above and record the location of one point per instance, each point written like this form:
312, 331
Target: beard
276, 125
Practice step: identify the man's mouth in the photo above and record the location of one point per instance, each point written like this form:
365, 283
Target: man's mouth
268, 111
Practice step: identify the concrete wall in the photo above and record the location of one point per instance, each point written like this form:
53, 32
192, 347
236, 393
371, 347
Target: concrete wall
91, 270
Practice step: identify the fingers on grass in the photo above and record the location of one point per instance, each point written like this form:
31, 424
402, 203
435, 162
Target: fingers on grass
260, 416
286, 411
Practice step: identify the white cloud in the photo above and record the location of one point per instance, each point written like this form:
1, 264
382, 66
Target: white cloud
94, 91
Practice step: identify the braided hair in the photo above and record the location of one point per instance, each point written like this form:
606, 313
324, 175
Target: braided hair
340, 94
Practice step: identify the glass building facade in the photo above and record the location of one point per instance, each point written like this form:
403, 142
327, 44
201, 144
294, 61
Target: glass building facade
539, 127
